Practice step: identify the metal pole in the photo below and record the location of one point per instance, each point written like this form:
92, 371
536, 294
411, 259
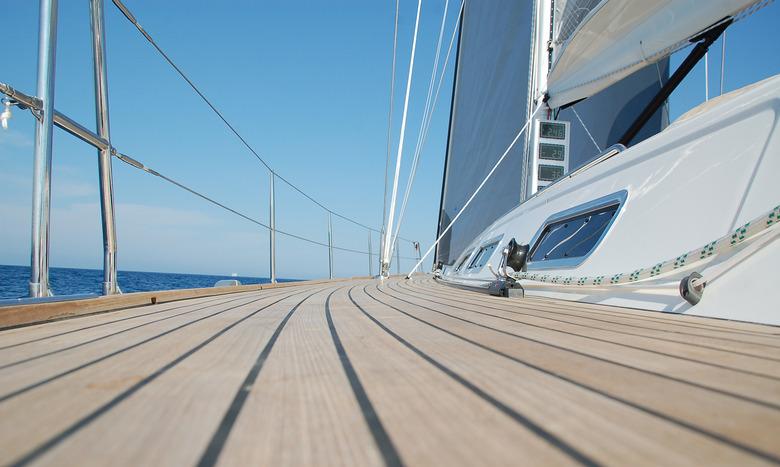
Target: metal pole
397, 259
44, 127
110, 285
380, 272
370, 260
62, 121
706, 76
330, 247
671, 84
722, 60
272, 230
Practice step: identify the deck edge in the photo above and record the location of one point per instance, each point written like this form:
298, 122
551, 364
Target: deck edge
14, 316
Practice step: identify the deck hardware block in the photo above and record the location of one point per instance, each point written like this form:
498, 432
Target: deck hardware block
517, 255
690, 292
506, 288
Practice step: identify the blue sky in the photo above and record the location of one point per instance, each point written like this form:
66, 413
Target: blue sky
306, 82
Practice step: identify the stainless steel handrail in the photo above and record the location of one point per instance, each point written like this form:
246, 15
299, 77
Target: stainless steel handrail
41, 202
110, 285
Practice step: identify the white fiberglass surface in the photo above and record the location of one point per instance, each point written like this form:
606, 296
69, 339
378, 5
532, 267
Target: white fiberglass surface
689, 185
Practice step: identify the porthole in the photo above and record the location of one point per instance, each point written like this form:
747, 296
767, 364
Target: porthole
567, 238
482, 256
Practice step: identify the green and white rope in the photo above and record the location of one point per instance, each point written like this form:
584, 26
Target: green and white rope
705, 252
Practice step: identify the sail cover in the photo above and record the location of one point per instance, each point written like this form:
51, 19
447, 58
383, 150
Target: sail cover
599, 42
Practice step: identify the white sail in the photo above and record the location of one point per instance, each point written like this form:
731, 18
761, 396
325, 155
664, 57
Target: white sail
599, 42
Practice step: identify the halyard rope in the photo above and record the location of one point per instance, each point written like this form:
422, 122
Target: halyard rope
697, 255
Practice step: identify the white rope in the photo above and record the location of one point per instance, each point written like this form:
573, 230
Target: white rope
391, 215
430, 106
471, 198
390, 117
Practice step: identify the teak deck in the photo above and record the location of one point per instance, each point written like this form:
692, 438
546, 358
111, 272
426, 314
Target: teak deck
401, 372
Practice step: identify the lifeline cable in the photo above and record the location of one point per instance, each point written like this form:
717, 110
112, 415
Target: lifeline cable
130, 17
140, 166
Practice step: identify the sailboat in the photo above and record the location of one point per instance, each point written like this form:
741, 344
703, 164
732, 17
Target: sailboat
602, 200
565, 188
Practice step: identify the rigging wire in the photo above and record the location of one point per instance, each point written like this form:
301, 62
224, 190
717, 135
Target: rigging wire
140, 166
390, 116
130, 17
386, 245
427, 115
479, 188
593, 140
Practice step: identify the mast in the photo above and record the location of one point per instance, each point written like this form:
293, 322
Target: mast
541, 59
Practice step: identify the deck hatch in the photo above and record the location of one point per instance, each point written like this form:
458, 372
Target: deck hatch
567, 238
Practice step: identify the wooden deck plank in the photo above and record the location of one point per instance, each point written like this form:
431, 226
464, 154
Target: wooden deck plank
25, 314
103, 352
100, 375
660, 321
665, 395
412, 372
183, 402
92, 329
18, 336
528, 315
673, 359
732, 343
693, 321
431, 417
301, 401
592, 423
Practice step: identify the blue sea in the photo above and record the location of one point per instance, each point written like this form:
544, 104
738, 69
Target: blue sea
68, 281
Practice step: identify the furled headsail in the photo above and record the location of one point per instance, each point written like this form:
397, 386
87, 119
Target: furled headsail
599, 42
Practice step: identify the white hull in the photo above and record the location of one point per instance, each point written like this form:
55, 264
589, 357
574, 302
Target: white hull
707, 174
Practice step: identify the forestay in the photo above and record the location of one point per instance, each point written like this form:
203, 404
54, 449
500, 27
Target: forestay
597, 43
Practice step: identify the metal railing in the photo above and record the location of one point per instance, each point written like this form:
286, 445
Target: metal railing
46, 116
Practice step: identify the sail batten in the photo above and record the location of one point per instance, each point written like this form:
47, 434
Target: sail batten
599, 42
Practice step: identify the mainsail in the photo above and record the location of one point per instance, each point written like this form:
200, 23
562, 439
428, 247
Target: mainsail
599, 42
491, 100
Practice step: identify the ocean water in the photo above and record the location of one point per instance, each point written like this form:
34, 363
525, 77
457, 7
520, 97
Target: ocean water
68, 281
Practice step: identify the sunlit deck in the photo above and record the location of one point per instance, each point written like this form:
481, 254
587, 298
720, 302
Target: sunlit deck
361, 372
